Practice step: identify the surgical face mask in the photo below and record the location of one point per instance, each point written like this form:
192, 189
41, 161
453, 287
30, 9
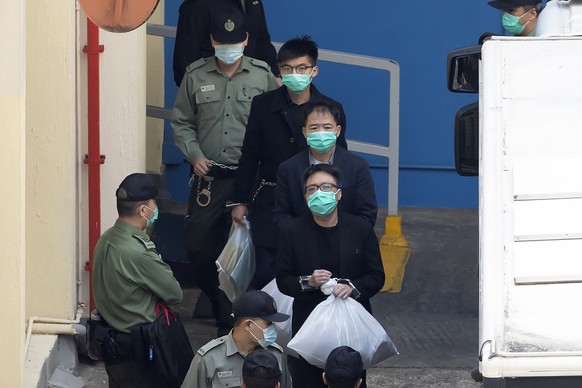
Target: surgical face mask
296, 82
321, 141
150, 221
322, 203
511, 23
229, 53
269, 335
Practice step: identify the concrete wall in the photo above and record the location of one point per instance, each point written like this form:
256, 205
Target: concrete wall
12, 198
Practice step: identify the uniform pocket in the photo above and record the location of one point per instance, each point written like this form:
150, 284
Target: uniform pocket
230, 382
206, 97
246, 94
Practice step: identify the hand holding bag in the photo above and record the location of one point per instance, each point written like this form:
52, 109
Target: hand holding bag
336, 322
236, 263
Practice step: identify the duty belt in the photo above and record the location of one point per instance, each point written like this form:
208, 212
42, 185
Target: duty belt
217, 171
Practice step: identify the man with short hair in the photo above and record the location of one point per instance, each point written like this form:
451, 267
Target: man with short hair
343, 368
313, 248
519, 16
128, 278
274, 135
261, 370
209, 120
219, 363
321, 130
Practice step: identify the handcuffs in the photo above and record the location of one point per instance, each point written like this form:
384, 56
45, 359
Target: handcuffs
204, 196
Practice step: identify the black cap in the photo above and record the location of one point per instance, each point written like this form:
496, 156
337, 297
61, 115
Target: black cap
343, 363
258, 304
138, 187
262, 364
229, 26
509, 4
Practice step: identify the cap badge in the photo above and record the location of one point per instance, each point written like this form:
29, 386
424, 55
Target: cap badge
274, 305
229, 25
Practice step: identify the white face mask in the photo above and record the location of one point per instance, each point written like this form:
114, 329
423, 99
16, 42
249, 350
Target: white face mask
229, 53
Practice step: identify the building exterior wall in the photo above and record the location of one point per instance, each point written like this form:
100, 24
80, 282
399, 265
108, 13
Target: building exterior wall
12, 196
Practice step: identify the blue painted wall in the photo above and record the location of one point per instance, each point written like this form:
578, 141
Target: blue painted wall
416, 34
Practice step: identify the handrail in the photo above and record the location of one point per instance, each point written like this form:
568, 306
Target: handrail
391, 151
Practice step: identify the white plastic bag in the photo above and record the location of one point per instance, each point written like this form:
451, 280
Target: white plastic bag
285, 306
336, 322
236, 263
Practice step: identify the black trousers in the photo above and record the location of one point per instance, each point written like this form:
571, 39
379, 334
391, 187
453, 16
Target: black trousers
266, 269
303, 374
207, 229
130, 374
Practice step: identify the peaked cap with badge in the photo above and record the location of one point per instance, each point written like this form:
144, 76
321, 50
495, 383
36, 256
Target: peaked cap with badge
229, 27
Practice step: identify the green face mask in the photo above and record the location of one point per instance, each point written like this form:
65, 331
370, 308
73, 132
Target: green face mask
321, 141
511, 23
322, 203
150, 221
296, 82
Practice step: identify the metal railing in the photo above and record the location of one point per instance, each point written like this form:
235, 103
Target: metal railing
391, 151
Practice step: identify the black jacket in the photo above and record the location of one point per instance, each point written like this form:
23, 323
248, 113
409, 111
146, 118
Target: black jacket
298, 255
270, 139
358, 196
193, 33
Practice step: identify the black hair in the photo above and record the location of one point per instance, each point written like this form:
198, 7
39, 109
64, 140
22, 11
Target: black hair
260, 382
322, 167
342, 383
298, 47
128, 208
321, 106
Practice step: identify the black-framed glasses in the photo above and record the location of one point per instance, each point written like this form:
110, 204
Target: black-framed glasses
301, 69
325, 187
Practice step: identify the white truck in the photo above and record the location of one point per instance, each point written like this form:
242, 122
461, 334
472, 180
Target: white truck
524, 138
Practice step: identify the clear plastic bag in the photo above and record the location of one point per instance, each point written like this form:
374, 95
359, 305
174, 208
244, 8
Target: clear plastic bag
236, 263
336, 322
285, 306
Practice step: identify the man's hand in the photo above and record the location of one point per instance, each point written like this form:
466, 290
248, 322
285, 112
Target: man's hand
202, 166
319, 277
342, 291
238, 213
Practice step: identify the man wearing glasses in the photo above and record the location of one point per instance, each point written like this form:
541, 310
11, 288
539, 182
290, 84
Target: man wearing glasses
321, 131
325, 244
273, 135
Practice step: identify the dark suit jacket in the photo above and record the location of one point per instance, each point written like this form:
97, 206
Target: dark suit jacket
358, 196
193, 33
298, 255
270, 139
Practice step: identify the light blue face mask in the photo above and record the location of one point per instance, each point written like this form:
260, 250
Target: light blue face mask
296, 82
322, 203
150, 221
229, 53
321, 141
511, 23
269, 335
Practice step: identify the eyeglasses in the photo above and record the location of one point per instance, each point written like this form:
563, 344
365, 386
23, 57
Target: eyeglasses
325, 187
301, 69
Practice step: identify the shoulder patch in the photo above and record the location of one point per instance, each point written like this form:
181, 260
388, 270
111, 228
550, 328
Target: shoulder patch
258, 63
210, 345
196, 64
148, 244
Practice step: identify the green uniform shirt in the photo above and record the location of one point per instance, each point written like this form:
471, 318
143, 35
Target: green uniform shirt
218, 364
129, 276
211, 110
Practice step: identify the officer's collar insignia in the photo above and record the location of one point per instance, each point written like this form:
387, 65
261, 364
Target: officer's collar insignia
229, 25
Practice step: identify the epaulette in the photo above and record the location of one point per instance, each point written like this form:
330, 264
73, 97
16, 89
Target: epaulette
196, 64
277, 346
149, 245
211, 345
259, 63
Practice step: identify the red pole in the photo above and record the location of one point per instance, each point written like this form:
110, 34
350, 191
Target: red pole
93, 158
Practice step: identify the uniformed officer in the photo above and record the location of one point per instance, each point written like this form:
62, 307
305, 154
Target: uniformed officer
261, 370
129, 276
219, 363
519, 16
209, 120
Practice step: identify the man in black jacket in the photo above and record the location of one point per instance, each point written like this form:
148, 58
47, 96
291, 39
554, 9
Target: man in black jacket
193, 33
321, 131
273, 135
325, 244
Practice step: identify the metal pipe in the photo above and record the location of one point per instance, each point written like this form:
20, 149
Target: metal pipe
93, 158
